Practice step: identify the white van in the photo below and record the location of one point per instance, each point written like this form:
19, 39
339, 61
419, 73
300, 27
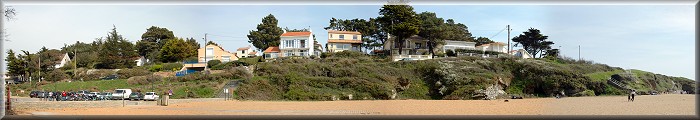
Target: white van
121, 93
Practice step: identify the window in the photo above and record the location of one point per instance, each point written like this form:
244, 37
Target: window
243, 51
346, 46
342, 37
303, 43
417, 45
354, 37
210, 51
226, 58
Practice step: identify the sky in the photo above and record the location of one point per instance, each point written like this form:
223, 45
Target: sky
654, 38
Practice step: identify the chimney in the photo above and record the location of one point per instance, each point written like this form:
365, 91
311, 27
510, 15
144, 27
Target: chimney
284, 31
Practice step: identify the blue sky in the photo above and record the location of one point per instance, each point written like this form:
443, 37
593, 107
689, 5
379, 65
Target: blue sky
655, 38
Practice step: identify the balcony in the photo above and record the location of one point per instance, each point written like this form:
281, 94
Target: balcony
412, 57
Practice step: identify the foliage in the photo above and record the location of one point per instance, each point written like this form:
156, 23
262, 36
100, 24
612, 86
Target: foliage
212, 63
14, 64
143, 80
482, 40
55, 75
128, 73
157, 35
172, 66
533, 41
155, 68
116, 52
267, 33
177, 50
450, 53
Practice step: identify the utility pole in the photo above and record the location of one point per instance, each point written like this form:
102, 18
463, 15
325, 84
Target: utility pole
205, 51
508, 27
579, 52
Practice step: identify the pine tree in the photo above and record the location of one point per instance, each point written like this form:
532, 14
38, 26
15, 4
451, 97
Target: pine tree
267, 34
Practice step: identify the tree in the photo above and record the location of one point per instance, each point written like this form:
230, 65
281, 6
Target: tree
212, 43
482, 40
152, 41
400, 21
457, 31
177, 50
433, 29
157, 35
192, 42
116, 52
533, 41
14, 64
267, 34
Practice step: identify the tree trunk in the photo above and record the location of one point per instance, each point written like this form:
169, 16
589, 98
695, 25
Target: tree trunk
400, 41
430, 48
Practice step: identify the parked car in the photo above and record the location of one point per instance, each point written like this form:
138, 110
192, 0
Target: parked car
33, 94
83, 92
136, 96
104, 96
121, 94
41, 94
110, 77
150, 96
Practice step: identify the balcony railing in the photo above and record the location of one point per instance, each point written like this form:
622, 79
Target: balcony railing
412, 57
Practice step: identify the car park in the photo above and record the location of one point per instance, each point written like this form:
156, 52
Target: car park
104, 96
150, 96
136, 96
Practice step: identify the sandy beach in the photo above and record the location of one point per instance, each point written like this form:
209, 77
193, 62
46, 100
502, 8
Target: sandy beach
670, 104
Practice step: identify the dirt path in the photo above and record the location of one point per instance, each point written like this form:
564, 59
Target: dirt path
606, 105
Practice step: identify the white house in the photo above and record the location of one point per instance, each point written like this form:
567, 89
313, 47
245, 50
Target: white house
453, 45
521, 53
297, 44
141, 61
496, 47
64, 60
245, 52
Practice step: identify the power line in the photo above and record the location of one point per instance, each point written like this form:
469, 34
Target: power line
497, 33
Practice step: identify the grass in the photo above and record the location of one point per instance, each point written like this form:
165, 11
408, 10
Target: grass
602, 76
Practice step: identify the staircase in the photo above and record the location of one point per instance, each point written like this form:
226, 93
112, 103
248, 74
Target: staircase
231, 84
618, 84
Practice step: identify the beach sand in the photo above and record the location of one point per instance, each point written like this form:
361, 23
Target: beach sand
669, 104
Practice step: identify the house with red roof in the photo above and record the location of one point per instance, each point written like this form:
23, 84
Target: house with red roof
296, 44
272, 52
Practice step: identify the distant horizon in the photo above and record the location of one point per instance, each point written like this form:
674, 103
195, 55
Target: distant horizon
653, 38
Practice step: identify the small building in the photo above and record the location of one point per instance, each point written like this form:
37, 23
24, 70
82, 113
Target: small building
521, 53
496, 47
210, 52
272, 52
65, 59
344, 40
453, 45
141, 61
296, 44
214, 52
245, 52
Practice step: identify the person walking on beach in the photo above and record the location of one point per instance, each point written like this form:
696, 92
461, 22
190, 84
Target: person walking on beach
631, 96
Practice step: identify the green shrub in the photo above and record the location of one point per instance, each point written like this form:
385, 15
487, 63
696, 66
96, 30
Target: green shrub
585, 93
143, 80
224, 65
155, 68
450, 53
128, 73
212, 63
55, 75
172, 66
